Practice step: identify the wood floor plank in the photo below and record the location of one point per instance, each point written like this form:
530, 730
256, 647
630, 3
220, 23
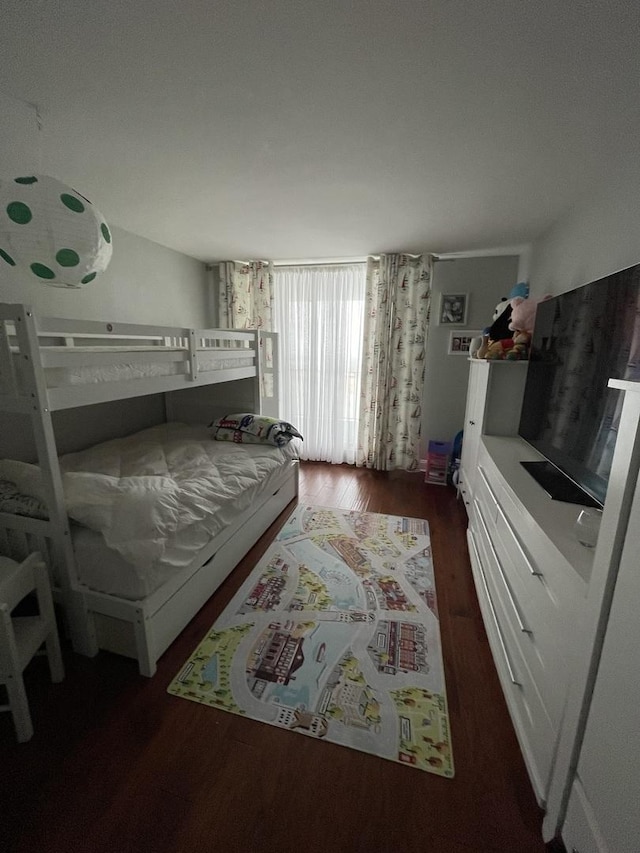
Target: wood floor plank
117, 764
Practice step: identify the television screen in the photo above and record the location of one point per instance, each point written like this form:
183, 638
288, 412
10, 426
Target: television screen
582, 338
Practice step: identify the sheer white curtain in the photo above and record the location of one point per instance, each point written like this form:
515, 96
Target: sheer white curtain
319, 315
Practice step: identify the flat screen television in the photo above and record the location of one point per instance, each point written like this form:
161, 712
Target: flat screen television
582, 338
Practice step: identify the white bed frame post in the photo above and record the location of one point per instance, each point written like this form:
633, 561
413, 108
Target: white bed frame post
258, 385
81, 627
143, 632
193, 355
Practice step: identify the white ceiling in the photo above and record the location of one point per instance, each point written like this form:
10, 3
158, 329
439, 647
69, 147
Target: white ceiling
293, 129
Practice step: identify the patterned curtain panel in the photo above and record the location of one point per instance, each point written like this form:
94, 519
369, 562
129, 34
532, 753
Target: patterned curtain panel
245, 295
395, 335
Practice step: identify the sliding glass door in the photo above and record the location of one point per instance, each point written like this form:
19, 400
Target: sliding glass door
319, 314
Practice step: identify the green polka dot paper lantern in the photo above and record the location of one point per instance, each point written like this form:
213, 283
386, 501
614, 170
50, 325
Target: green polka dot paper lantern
52, 231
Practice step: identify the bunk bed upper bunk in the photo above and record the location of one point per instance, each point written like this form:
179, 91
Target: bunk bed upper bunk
79, 362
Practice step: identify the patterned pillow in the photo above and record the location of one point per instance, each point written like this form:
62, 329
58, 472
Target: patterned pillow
13, 501
246, 428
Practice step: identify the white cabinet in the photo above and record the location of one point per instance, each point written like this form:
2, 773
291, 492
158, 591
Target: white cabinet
562, 619
604, 807
580, 832
529, 592
494, 398
473, 419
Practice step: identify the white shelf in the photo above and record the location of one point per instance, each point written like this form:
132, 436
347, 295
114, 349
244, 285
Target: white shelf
511, 362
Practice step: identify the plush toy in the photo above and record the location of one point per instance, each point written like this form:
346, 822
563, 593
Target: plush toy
523, 313
519, 289
520, 349
501, 318
497, 350
501, 328
498, 330
474, 347
482, 347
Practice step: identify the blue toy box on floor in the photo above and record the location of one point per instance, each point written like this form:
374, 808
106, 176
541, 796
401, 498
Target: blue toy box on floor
437, 462
454, 461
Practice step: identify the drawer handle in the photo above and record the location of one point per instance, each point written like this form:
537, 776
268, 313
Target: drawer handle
534, 571
487, 484
512, 601
495, 618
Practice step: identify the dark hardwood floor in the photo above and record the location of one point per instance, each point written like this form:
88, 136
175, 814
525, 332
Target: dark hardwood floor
117, 764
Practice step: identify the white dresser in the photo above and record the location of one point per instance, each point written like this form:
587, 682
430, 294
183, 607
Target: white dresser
603, 809
545, 603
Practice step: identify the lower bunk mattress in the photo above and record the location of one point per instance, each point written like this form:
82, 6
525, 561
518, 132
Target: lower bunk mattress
143, 506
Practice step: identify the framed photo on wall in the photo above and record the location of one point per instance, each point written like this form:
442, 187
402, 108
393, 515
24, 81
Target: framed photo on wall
453, 308
460, 340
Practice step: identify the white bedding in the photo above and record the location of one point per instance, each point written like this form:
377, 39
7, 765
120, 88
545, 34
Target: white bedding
105, 570
160, 495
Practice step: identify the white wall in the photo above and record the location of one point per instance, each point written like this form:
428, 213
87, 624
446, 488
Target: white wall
486, 280
598, 236
144, 283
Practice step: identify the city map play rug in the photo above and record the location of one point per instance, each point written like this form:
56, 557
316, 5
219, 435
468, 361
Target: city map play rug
335, 635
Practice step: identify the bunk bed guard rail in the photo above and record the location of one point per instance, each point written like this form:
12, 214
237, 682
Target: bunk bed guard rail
79, 362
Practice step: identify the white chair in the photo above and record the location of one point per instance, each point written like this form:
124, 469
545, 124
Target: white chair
22, 636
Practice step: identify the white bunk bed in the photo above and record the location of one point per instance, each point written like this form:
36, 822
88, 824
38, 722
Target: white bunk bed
50, 364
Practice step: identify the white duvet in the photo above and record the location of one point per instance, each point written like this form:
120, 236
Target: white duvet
147, 492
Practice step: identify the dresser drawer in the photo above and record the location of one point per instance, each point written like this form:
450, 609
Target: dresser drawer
539, 649
546, 589
540, 646
543, 583
484, 532
509, 518
485, 494
534, 729
529, 605
534, 554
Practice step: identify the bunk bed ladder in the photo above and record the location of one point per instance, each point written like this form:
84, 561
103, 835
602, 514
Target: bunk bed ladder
34, 393
8, 382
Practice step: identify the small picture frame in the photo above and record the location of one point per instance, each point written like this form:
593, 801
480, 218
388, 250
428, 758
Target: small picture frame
460, 340
453, 308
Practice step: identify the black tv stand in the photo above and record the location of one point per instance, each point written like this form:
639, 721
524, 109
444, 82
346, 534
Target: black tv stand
557, 485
